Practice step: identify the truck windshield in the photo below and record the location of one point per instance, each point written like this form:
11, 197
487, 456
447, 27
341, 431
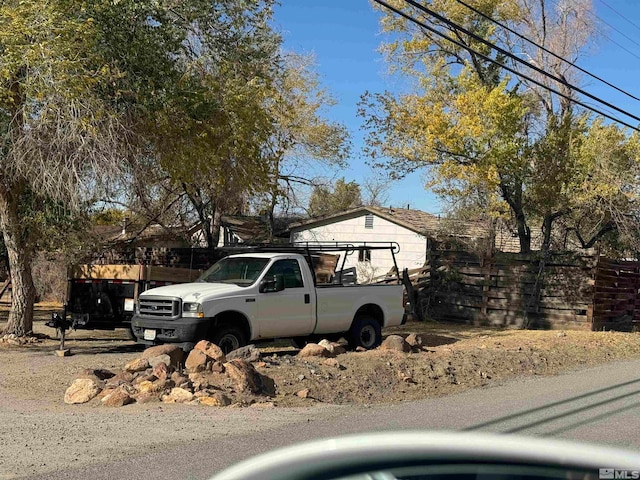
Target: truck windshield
242, 271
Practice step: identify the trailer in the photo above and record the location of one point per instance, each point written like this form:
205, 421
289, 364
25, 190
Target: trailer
103, 297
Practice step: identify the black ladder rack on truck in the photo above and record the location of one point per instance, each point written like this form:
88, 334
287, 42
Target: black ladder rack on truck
311, 249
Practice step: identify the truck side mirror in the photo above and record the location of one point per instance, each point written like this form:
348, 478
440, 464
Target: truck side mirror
272, 284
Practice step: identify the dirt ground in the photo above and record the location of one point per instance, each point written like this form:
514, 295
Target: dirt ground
40, 434
455, 358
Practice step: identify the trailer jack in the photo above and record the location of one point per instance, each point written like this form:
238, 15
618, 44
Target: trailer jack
61, 324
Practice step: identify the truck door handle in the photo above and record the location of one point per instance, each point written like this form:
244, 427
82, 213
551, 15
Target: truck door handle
307, 298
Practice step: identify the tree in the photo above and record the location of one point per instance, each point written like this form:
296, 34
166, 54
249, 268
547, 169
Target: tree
326, 200
376, 187
508, 142
302, 136
88, 89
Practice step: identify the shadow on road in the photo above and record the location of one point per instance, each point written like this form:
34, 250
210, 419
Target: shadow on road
548, 417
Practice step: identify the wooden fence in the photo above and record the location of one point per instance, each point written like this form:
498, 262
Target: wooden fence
616, 299
511, 289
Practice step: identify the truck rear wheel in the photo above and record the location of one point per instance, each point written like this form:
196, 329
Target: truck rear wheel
365, 332
228, 338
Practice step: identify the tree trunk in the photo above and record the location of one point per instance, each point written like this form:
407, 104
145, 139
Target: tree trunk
20, 256
216, 223
514, 199
547, 225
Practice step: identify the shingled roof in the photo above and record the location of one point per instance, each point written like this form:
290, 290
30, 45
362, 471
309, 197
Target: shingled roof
415, 220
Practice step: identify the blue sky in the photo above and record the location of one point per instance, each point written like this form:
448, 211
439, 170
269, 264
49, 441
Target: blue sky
344, 35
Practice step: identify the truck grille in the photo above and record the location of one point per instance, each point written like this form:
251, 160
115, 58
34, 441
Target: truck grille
160, 307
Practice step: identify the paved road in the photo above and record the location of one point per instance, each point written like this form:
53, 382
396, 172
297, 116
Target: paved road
600, 405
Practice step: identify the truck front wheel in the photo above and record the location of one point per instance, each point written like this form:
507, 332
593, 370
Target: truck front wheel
228, 338
365, 332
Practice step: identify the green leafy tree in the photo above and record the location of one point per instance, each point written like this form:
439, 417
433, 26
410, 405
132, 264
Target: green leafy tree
326, 200
507, 142
87, 89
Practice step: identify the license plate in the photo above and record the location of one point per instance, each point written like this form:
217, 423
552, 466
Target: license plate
149, 334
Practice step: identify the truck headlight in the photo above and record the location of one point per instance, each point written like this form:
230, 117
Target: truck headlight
192, 307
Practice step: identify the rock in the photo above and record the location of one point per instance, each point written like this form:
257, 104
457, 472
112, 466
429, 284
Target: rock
88, 374
104, 393
175, 353
163, 384
414, 340
333, 347
147, 397
161, 371
249, 353
119, 379
143, 378
243, 375
216, 400
199, 381
148, 387
137, 365
395, 343
118, 398
331, 362
360, 349
81, 391
303, 393
179, 379
211, 350
157, 360
314, 350
562, 334
178, 395
217, 367
196, 361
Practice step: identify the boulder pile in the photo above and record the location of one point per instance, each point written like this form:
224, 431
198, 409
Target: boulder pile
162, 374
206, 376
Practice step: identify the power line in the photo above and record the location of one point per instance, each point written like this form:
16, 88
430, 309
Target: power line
512, 70
541, 47
608, 37
616, 43
618, 13
615, 29
478, 38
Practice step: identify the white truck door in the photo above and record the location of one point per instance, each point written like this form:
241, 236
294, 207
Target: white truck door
290, 312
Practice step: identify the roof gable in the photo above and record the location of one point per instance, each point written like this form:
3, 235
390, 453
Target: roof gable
414, 220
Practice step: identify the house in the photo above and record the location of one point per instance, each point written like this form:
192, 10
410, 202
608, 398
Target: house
239, 229
411, 230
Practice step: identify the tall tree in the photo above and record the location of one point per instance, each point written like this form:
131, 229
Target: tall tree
327, 199
85, 86
480, 131
302, 136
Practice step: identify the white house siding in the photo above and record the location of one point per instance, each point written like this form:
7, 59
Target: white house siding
412, 245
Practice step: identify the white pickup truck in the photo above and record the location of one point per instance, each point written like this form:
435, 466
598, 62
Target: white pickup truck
259, 296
